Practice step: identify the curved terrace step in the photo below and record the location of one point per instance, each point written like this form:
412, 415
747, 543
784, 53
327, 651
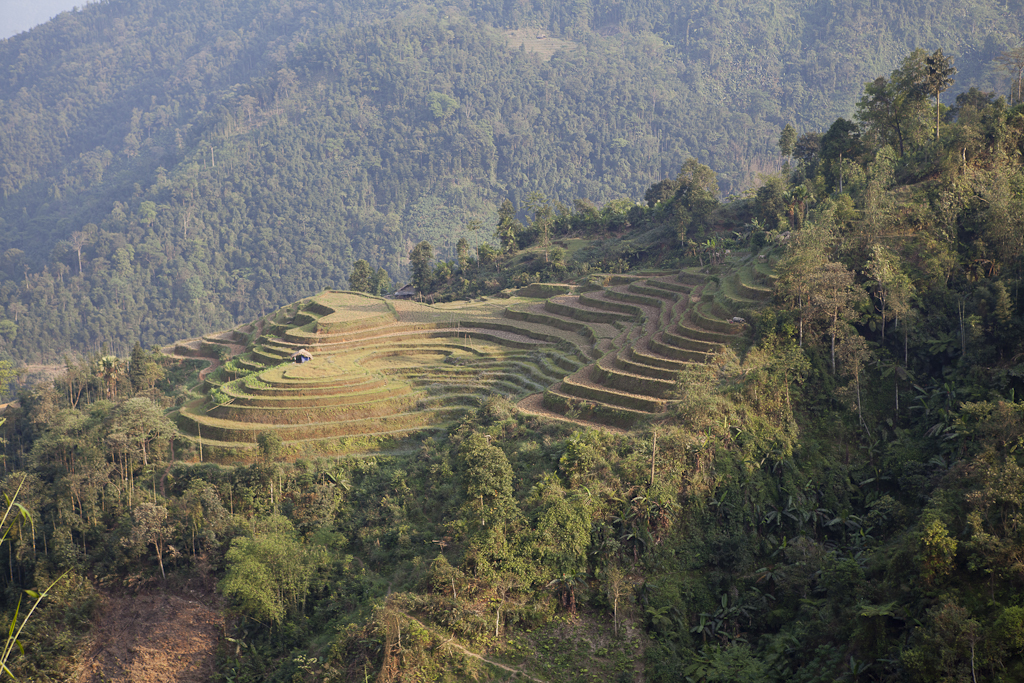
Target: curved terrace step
229, 432
683, 341
764, 273
586, 389
654, 359
636, 368
670, 286
645, 289
585, 312
668, 350
306, 399
574, 407
498, 336
751, 289
379, 407
688, 328
599, 300
304, 338
711, 321
350, 381
335, 445
587, 334
632, 383
691, 277
730, 292
632, 297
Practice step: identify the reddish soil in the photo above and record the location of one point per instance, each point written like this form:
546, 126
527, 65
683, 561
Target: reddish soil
156, 636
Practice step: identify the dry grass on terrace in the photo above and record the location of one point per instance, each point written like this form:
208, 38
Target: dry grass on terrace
349, 307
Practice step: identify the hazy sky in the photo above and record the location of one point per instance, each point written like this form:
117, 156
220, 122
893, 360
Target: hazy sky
21, 15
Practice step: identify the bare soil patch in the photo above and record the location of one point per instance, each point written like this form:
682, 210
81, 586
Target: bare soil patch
35, 372
537, 40
155, 636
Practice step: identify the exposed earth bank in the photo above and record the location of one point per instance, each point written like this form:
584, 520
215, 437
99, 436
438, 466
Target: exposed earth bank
158, 635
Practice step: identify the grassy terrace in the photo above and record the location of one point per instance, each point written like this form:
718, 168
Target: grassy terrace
383, 369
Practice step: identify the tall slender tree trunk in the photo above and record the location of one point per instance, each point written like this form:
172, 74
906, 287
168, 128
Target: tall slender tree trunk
160, 559
860, 414
835, 321
961, 307
906, 345
654, 453
801, 344
883, 318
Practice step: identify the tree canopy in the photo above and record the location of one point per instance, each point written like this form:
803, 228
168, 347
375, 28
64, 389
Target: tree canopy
165, 172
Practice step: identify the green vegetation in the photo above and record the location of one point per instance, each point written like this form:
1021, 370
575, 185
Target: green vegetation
170, 168
387, 368
769, 439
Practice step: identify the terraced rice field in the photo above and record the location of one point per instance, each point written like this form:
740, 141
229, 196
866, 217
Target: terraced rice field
384, 368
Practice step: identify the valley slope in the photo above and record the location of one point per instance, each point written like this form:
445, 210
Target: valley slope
175, 167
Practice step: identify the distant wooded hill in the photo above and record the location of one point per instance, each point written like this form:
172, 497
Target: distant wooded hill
173, 167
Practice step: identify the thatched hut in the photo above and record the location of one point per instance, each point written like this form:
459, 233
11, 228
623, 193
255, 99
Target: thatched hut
302, 356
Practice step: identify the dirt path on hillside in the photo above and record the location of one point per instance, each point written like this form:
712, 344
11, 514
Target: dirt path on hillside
469, 653
224, 338
157, 636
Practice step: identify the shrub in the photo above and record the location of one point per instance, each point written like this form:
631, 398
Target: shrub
270, 445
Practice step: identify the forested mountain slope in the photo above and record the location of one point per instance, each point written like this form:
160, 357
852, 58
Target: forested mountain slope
780, 440
172, 167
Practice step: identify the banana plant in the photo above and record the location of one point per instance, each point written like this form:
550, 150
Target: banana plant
17, 510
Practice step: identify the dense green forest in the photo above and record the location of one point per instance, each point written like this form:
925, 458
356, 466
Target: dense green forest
169, 168
839, 498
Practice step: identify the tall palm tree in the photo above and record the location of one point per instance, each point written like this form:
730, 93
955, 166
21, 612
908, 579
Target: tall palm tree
110, 368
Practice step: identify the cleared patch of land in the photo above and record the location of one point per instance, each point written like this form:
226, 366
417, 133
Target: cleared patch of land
604, 352
537, 40
154, 637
